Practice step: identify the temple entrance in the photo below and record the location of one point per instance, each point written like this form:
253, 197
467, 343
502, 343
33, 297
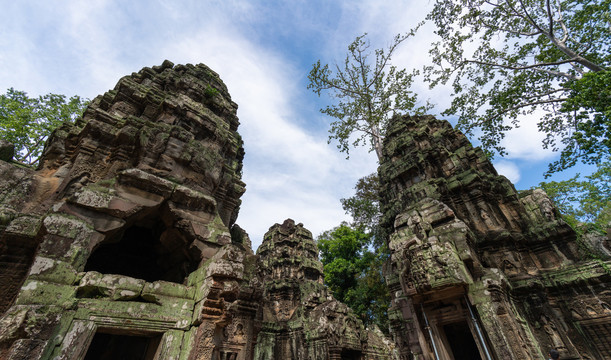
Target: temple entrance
461, 341
122, 347
452, 330
351, 354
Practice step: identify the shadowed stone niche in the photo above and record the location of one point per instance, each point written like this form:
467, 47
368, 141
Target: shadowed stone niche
477, 269
301, 319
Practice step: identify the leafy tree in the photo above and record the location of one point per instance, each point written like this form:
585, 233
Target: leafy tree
589, 102
509, 58
27, 122
587, 200
354, 273
364, 206
369, 91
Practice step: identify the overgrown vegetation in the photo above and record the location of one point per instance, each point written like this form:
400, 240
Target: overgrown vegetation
584, 200
353, 272
27, 122
368, 92
511, 61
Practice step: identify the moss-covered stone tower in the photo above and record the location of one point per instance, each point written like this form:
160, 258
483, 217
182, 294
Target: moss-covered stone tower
477, 269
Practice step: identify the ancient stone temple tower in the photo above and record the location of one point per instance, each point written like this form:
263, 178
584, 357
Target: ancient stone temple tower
301, 319
478, 270
119, 245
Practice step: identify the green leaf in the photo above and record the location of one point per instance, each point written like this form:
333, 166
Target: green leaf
27, 122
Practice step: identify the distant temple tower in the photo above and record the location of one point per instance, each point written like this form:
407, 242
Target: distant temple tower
478, 270
301, 319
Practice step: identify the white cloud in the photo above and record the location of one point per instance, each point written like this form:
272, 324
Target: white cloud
525, 142
509, 169
288, 171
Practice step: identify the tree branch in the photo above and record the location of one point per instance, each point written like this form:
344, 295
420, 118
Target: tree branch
550, 18
535, 67
547, 93
520, 106
330, 85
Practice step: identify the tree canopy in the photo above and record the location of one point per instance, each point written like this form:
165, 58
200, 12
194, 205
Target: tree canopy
364, 205
353, 272
27, 122
528, 60
368, 89
584, 200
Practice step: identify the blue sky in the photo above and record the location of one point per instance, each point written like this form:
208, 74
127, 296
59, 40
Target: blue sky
263, 51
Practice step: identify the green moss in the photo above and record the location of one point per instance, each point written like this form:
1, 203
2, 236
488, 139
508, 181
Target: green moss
210, 92
35, 292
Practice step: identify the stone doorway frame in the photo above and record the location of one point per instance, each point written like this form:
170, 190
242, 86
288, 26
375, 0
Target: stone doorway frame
78, 339
441, 312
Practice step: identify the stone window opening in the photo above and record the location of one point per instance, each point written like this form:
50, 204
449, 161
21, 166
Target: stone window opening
111, 346
146, 250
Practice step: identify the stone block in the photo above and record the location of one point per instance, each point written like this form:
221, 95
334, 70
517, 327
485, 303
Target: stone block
139, 179
24, 226
170, 345
37, 292
52, 270
168, 289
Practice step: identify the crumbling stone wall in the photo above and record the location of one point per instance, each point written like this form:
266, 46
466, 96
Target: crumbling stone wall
470, 255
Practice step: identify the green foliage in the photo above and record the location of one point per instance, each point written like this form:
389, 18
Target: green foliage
368, 93
364, 206
507, 59
354, 273
210, 92
589, 102
587, 200
27, 122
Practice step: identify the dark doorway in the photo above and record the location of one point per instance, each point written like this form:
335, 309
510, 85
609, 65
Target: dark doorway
461, 341
16, 257
351, 354
122, 347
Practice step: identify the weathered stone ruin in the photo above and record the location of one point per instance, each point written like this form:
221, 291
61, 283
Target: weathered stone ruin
301, 319
122, 244
478, 270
